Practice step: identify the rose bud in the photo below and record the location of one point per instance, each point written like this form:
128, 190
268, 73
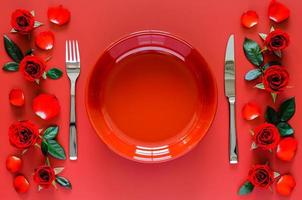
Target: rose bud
32, 67
266, 136
275, 79
261, 176
22, 21
23, 134
44, 176
277, 40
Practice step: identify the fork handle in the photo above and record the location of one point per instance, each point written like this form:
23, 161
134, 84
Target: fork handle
233, 135
73, 147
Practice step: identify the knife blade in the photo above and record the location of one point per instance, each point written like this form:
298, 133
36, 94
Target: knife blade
229, 84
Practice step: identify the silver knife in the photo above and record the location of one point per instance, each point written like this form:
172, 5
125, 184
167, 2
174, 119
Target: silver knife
229, 80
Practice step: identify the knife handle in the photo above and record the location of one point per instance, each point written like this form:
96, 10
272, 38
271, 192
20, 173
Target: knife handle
233, 135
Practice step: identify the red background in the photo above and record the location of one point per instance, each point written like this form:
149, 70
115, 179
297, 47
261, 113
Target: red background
204, 173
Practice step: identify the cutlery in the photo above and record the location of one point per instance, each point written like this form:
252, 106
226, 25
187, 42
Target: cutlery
73, 72
229, 78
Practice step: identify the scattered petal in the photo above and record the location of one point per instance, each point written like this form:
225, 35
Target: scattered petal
58, 15
21, 184
46, 106
16, 97
13, 164
251, 111
249, 19
278, 12
45, 40
286, 149
285, 185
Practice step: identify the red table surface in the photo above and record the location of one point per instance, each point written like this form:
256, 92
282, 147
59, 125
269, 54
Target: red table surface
204, 173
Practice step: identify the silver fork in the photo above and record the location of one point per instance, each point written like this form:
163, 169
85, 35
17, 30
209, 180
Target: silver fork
73, 72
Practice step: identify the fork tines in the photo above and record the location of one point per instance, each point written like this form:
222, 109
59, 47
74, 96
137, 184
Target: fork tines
72, 52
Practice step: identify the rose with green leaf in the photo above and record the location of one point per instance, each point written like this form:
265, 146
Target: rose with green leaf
23, 21
276, 40
23, 134
260, 176
266, 136
274, 77
46, 176
276, 134
32, 67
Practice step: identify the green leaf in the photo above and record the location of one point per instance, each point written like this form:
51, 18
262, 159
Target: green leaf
271, 116
29, 52
252, 52
287, 109
263, 36
271, 63
63, 182
260, 86
12, 49
58, 170
51, 132
54, 73
44, 148
37, 24
56, 150
252, 74
278, 53
246, 188
285, 129
274, 96
11, 67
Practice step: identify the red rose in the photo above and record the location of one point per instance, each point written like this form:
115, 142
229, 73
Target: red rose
261, 176
277, 40
23, 134
32, 67
266, 136
44, 176
22, 21
275, 79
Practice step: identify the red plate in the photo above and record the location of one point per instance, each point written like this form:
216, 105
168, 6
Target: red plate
151, 97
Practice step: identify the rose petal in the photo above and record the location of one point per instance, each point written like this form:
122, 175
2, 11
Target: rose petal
278, 12
45, 40
58, 15
16, 97
286, 149
46, 106
13, 163
251, 111
285, 185
249, 19
21, 184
